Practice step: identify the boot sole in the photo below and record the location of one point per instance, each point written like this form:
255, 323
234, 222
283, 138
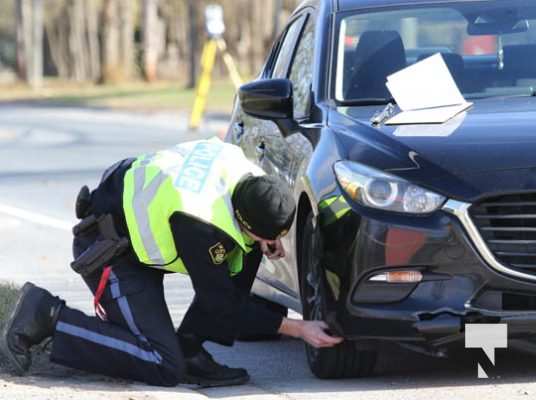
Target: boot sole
14, 364
209, 383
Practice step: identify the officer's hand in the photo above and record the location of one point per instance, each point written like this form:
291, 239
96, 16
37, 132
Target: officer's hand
273, 249
314, 333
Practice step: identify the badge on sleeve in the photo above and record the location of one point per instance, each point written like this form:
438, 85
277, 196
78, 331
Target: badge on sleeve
217, 253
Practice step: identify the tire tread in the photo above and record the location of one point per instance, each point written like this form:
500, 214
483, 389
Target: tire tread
343, 360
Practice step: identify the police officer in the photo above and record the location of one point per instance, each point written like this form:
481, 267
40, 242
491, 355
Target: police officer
199, 208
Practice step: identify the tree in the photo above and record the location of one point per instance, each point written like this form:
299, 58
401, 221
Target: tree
73, 39
151, 32
194, 12
29, 17
118, 36
78, 47
92, 32
23, 37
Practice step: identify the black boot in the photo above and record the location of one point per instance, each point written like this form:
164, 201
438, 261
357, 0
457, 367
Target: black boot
202, 370
31, 320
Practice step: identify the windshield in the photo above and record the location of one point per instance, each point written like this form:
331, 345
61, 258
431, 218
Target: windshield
488, 46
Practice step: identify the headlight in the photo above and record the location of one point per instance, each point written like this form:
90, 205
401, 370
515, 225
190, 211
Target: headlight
377, 189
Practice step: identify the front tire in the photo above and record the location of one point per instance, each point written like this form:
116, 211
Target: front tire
343, 360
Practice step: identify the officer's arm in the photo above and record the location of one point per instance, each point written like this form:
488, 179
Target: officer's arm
257, 319
226, 306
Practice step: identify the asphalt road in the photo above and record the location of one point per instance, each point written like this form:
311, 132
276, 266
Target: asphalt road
46, 154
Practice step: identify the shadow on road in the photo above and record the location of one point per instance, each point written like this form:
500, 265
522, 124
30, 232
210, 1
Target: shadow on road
280, 368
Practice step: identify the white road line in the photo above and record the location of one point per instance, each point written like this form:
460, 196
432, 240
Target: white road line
36, 218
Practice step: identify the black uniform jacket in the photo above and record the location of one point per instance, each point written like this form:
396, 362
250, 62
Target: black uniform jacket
220, 300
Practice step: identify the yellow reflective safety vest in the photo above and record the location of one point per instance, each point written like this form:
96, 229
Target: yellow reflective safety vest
195, 178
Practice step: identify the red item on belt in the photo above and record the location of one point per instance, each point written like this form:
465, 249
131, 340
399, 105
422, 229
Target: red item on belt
99, 310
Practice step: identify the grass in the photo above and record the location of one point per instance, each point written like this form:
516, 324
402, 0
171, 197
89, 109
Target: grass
132, 95
8, 294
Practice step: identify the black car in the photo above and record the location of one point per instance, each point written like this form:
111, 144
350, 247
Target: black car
406, 233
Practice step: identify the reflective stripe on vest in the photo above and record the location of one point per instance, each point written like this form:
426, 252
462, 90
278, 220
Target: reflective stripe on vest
195, 178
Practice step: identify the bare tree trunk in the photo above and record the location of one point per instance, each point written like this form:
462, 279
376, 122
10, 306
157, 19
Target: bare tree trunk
77, 44
92, 22
36, 72
193, 16
181, 29
27, 33
73, 38
58, 40
251, 35
150, 39
29, 17
22, 23
111, 70
263, 32
242, 38
126, 37
118, 37
278, 8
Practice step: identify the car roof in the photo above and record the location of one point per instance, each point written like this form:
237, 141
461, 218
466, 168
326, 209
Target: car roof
346, 5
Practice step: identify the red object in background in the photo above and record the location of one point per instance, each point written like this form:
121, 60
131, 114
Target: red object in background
350, 42
479, 45
402, 245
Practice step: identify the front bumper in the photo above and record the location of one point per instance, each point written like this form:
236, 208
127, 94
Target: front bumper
460, 282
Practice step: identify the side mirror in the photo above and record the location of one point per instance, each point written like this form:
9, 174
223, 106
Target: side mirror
267, 99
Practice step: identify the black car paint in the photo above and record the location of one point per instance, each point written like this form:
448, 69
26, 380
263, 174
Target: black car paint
496, 136
491, 152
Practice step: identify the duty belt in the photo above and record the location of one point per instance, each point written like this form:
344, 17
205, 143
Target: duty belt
108, 245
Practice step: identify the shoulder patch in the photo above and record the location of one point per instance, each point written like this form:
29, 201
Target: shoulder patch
217, 253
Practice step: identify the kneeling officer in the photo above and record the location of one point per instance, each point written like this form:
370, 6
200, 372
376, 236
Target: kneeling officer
199, 208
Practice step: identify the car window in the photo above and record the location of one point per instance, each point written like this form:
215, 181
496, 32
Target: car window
286, 49
301, 72
489, 47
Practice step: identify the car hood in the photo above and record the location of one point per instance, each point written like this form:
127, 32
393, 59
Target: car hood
488, 150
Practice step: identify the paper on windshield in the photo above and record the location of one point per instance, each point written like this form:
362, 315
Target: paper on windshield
426, 93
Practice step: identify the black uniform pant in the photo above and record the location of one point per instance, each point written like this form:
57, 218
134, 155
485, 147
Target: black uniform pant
138, 341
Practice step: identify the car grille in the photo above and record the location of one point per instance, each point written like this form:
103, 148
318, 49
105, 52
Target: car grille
508, 226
